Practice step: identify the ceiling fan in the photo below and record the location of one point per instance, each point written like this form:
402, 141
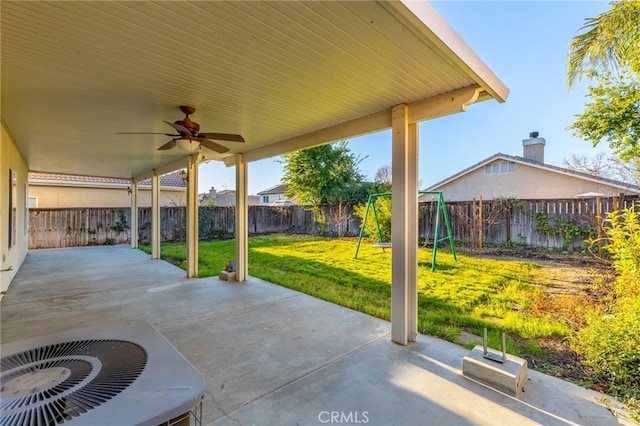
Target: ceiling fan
188, 130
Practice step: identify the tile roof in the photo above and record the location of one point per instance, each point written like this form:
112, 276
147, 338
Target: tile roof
276, 189
172, 180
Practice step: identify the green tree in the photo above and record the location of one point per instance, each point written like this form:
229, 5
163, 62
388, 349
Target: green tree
318, 175
321, 175
613, 114
608, 52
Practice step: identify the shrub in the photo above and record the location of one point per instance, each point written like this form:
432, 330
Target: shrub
610, 342
383, 212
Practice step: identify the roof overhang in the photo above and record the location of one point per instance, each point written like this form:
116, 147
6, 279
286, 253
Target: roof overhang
285, 75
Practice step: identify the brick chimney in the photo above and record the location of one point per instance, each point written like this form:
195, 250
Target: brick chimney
533, 148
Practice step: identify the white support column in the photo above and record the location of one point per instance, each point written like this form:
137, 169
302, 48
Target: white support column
134, 214
192, 217
404, 227
155, 215
242, 220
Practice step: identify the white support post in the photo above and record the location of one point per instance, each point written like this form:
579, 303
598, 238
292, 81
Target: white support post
134, 214
192, 217
242, 220
404, 227
155, 215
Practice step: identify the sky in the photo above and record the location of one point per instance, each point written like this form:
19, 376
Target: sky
526, 45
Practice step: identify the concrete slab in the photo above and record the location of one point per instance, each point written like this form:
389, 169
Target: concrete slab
271, 356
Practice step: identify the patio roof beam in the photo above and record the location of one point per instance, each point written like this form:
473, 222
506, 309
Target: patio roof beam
434, 107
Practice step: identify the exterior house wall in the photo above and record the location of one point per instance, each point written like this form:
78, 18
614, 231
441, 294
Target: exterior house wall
14, 238
267, 199
57, 196
525, 182
273, 194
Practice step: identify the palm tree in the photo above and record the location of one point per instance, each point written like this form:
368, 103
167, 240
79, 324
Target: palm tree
610, 41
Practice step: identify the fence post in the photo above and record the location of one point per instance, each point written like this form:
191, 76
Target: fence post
480, 220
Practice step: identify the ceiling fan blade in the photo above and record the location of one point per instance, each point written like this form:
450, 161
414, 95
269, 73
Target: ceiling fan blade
222, 137
144, 133
168, 145
212, 145
179, 128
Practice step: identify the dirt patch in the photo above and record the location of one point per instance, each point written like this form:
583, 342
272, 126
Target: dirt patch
568, 281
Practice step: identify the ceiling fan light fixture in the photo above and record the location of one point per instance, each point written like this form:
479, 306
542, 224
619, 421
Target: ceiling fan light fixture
187, 145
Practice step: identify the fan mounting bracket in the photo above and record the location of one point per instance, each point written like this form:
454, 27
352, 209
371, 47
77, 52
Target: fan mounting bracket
188, 110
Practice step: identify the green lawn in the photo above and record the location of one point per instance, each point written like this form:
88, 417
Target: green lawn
469, 294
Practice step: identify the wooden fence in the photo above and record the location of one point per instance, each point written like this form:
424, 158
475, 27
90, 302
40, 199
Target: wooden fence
538, 223
52, 228
70, 227
541, 223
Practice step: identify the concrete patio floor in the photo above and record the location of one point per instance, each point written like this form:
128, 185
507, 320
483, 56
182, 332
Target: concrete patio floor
272, 356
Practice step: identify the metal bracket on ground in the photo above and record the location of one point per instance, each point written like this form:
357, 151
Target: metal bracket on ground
492, 355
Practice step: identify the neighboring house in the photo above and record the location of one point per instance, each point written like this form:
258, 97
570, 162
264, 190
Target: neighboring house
224, 198
48, 190
526, 178
275, 196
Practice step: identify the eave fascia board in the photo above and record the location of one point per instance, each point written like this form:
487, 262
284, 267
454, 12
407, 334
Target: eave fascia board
358, 127
426, 109
426, 22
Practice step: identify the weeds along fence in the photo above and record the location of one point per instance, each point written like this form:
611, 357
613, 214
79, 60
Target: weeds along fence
557, 224
541, 223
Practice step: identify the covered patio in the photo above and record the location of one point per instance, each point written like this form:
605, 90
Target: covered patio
272, 356
284, 75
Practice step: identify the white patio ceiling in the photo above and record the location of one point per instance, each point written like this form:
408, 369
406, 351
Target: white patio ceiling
285, 75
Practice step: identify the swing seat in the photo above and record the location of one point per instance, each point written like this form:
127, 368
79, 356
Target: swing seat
382, 245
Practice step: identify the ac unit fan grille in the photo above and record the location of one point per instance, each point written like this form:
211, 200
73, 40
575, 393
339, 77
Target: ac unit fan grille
51, 384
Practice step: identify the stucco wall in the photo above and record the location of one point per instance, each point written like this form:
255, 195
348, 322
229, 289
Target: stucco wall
12, 257
70, 196
525, 182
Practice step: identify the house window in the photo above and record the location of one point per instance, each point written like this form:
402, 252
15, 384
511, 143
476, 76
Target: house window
500, 167
265, 199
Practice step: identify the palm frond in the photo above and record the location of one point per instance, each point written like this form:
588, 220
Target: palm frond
609, 41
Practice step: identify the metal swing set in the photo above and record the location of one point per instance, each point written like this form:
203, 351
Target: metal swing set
441, 211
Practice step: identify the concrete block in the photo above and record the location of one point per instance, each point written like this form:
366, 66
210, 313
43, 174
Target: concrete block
508, 377
227, 276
